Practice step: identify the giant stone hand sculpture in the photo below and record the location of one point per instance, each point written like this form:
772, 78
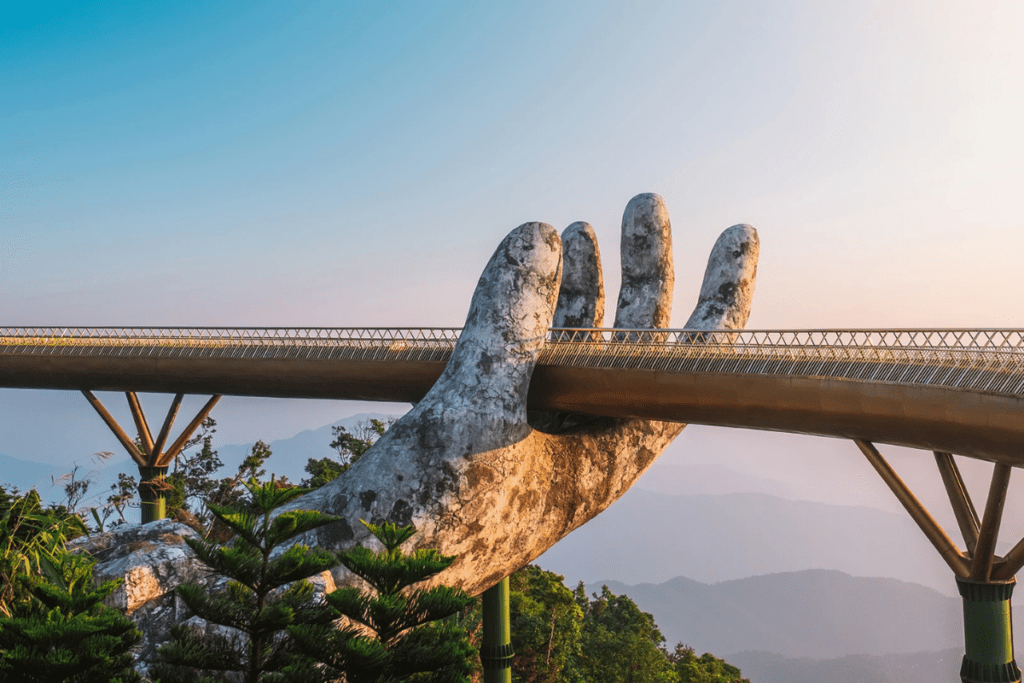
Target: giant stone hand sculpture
480, 478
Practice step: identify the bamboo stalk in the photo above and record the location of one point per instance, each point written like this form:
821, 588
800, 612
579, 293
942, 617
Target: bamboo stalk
141, 425
981, 565
166, 429
179, 443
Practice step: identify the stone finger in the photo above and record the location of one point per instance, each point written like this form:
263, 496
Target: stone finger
581, 293
728, 287
507, 324
645, 298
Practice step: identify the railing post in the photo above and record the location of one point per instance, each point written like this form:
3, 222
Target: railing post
496, 653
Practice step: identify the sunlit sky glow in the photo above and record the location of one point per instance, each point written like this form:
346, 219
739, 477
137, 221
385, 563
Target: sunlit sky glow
345, 164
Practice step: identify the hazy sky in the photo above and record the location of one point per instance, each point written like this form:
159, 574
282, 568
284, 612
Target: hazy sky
351, 164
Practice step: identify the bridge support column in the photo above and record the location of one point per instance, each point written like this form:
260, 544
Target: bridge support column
147, 452
985, 580
152, 493
988, 632
496, 652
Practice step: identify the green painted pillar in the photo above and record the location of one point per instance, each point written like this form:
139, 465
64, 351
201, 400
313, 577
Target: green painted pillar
496, 653
154, 506
988, 633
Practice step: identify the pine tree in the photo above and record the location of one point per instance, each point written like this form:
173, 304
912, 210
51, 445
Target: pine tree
415, 633
64, 634
259, 602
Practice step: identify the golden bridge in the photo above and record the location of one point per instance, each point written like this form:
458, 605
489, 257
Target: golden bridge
958, 391
947, 391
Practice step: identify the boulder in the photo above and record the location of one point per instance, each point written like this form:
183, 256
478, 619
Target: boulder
153, 559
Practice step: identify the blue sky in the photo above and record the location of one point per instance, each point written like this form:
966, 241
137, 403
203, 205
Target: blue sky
355, 164
346, 164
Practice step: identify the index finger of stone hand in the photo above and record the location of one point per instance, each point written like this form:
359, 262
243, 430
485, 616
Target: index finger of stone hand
581, 294
645, 297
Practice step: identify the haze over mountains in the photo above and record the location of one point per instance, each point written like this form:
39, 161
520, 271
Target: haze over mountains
649, 537
794, 614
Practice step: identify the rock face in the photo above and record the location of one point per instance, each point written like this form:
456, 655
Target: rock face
153, 559
466, 466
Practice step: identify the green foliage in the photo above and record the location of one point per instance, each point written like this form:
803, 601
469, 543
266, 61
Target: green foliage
416, 635
350, 448
194, 488
31, 542
64, 634
704, 669
263, 597
192, 474
619, 642
562, 636
546, 625
122, 494
53, 626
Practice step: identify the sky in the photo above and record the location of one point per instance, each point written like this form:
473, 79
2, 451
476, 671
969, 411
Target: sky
355, 164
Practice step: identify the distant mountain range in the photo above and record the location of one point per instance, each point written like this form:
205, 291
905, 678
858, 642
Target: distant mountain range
290, 455
812, 613
648, 537
26, 475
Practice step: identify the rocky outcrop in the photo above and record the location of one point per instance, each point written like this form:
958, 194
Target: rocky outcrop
153, 559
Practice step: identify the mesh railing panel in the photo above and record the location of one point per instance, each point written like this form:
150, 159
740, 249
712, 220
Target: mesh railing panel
419, 344
981, 360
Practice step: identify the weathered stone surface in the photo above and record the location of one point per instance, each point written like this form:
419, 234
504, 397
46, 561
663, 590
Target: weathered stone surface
153, 559
466, 467
581, 293
728, 287
648, 278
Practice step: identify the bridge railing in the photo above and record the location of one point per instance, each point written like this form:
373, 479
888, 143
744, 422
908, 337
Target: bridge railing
422, 344
987, 360
966, 339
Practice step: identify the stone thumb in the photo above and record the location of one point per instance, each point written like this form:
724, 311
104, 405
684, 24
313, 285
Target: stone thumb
489, 372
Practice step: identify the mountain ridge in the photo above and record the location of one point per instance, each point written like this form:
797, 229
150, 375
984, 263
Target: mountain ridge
814, 613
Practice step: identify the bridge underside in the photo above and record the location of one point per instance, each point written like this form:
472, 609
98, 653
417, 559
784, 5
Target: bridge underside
976, 424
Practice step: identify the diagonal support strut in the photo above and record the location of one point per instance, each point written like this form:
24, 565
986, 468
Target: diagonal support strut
151, 457
942, 542
959, 499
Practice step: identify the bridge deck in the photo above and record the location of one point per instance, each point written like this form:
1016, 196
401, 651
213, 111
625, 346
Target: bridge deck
960, 391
